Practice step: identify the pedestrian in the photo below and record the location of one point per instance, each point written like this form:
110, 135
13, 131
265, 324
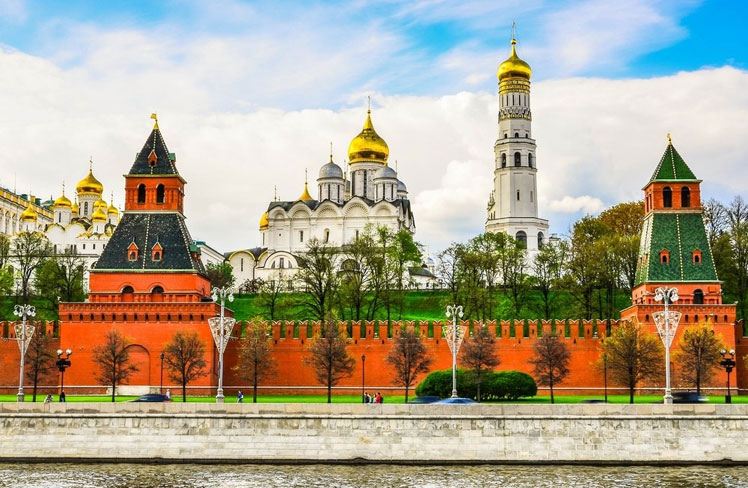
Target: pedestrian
62, 397
369, 398
168, 394
378, 398
240, 397
49, 399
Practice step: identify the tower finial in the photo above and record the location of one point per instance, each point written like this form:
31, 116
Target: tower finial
275, 193
155, 118
669, 140
63, 188
514, 30
368, 109
90, 163
331, 151
306, 176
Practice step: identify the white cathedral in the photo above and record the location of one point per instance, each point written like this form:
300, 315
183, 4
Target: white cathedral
344, 207
513, 202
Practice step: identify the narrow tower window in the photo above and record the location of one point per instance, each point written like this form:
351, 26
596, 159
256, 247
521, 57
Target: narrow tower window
516, 134
685, 197
698, 297
667, 197
521, 238
160, 193
517, 195
529, 160
517, 159
503, 160
141, 193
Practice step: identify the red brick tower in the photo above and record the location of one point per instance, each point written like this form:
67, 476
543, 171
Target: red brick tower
148, 283
675, 252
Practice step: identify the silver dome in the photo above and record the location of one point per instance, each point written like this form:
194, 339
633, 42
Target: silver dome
330, 170
401, 187
386, 172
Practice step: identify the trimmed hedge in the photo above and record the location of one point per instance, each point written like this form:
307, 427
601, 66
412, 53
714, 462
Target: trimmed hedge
501, 385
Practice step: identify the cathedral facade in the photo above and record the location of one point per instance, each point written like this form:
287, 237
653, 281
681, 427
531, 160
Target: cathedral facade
345, 205
513, 202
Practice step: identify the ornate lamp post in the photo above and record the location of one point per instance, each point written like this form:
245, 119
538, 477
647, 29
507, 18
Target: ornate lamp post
63, 363
221, 327
363, 378
667, 325
24, 333
728, 362
161, 388
454, 334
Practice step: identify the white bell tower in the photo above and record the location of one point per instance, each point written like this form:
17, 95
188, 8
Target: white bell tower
513, 203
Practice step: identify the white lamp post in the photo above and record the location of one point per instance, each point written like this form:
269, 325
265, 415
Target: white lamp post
454, 335
221, 327
667, 324
24, 333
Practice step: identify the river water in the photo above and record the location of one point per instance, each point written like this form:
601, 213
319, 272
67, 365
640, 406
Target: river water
374, 476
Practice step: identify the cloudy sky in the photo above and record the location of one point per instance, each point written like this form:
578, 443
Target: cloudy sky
249, 94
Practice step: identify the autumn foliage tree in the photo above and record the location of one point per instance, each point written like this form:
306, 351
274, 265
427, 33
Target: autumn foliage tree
409, 358
328, 356
113, 361
550, 360
633, 355
479, 355
698, 354
256, 362
185, 359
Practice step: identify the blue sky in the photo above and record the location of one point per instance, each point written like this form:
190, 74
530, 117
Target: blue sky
261, 88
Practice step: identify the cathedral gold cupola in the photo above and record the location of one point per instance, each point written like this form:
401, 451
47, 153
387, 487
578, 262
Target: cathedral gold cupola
368, 145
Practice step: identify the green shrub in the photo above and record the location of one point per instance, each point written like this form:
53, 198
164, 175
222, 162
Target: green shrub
502, 385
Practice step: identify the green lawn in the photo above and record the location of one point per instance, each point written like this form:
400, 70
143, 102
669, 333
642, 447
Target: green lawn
357, 399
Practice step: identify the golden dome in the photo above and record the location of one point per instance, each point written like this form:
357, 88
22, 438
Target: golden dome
514, 66
367, 145
99, 215
90, 184
306, 197
63, 202
29, 214
100, 204
75, 208
112, 210
264, 221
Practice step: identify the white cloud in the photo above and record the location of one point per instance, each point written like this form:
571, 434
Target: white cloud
568, 204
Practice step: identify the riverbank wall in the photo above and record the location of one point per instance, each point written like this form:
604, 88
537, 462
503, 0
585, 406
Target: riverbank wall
358, 433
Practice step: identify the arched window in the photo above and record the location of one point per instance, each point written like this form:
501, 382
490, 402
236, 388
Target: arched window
529, 160
667, 197
157, 289
696, 256
521, 238
664, 256
160, 193
503, 160
698, 297
85, 209
516, 134
128, 289
141, 193
517, 159
541, 240
517, 195
685, 197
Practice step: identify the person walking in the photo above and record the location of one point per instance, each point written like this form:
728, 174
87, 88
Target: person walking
62, 397
240, 397
49, 399
168, 394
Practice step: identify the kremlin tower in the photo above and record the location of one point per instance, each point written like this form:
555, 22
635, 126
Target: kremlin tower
513, 202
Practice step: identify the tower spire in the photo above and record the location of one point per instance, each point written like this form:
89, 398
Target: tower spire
669, 140
155, 118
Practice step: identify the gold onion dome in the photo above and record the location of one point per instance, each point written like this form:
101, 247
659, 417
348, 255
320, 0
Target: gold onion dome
100, 204
90, 184
99, 215
264, 221
367, 145
63, 202
75, 208
29, 214
112, 210
514, 67
305, 196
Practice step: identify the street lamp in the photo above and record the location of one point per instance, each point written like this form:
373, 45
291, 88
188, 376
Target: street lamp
728, 362
221, 327
363, 378
24, 333
63, 363
454, 334
667, 325
161, 388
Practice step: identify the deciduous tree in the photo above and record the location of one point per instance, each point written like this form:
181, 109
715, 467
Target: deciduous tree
550, 360
28, 251
698, 354
409, 358
113, 361
270, 293
318, 277
185, 359
40, 358
328, 356
256, 362
633, 355
220, 275
60, 276
479, 355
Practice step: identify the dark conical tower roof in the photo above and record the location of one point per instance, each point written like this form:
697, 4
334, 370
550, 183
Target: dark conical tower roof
154, 158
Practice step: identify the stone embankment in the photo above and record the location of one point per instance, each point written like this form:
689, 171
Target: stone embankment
349, 433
